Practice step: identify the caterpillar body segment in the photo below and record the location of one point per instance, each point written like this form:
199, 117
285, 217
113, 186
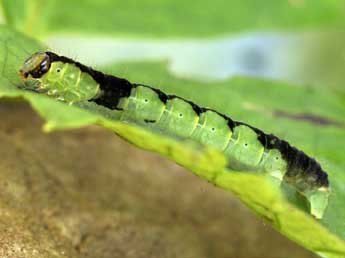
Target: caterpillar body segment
244, 150
212, 127
246, 147
144, 99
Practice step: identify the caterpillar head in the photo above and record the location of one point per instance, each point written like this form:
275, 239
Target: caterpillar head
35, 66
33, 69
58, 77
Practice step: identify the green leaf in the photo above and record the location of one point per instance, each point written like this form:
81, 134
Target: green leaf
171, 17
310, 119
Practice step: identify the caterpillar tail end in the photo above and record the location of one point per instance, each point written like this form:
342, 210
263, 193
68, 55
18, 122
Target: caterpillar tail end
318, 200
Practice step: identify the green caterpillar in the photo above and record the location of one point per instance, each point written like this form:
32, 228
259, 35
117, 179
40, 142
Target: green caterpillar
246, 147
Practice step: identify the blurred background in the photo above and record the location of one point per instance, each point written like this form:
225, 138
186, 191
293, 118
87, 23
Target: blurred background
142, 205
298, 41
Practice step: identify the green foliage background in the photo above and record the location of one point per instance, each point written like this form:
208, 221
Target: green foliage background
254, 101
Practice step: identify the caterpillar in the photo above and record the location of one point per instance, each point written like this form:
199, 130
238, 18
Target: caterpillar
246, 147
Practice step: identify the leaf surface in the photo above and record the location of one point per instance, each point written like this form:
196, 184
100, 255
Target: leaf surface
250, 100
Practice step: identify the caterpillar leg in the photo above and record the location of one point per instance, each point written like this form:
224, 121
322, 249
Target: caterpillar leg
317, 198
318, 201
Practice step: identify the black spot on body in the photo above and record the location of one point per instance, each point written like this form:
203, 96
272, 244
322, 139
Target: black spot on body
149, 121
